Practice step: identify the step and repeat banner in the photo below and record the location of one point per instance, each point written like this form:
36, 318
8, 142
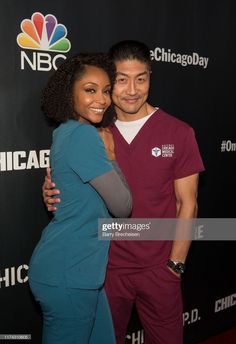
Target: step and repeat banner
193, 51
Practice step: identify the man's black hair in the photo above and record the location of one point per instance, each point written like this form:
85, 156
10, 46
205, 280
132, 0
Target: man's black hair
130, 50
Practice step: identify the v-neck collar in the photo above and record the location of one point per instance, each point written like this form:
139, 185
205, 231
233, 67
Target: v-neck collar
140, 133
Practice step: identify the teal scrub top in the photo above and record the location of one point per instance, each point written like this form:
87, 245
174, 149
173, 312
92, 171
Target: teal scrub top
69, 252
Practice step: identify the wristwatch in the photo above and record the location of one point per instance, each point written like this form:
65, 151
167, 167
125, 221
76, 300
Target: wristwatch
177, 267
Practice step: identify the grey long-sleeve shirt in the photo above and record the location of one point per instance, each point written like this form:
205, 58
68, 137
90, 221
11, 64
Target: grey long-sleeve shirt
115, 192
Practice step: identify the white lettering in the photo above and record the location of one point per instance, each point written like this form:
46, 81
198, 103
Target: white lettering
228, 146
16, 160
160, 54
38, 61
44, 158
225, 303
59, 56
191, 317
206, 59
20, 278
24, 57
136, 337
32, 160
195, 59
22, 160
13, 275
44, 62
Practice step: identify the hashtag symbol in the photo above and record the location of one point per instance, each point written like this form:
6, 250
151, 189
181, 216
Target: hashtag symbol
223, 146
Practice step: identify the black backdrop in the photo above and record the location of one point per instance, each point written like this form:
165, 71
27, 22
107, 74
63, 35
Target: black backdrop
200, 93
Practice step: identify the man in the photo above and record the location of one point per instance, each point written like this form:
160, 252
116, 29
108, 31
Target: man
163, 185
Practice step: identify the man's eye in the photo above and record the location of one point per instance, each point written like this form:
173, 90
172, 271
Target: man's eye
140, 80
121, 80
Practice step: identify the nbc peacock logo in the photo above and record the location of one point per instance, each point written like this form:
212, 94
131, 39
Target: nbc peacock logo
42, 33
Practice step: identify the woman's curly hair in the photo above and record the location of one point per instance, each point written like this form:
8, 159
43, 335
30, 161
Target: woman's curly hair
57, 96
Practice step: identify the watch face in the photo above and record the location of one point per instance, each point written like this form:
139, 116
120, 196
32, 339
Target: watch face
179, 267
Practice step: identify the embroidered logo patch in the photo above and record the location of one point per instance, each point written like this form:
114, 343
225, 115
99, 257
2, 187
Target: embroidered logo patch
166, 151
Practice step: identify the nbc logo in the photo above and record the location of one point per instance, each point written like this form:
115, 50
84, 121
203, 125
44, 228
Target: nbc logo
42, 33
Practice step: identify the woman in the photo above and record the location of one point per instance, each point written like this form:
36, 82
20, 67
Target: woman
68, 265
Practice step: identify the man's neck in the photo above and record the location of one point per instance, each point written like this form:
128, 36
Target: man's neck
129, 117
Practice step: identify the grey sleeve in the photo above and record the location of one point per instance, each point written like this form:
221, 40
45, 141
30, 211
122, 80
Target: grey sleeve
115, 192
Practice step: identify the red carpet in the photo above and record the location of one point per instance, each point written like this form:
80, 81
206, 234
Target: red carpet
228, 337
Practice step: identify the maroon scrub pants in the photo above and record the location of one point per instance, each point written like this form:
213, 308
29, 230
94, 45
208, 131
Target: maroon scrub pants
157, 295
